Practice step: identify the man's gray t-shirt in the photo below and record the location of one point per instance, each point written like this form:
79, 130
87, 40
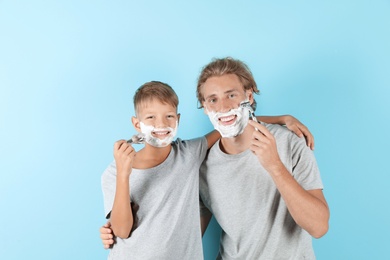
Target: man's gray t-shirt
244, 200
165, 203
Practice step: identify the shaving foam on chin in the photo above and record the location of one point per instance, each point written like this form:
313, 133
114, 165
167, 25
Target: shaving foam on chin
242, 118
147, 130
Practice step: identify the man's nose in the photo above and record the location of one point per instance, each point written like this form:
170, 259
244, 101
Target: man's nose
225, 106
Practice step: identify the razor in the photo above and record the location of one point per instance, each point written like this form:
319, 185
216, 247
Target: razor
247, 105
136, 139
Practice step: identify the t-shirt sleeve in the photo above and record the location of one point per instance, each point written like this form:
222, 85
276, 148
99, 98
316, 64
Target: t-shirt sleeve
305, 168
108, 182
197, 147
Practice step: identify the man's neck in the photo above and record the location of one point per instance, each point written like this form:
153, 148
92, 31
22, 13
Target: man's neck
238, 144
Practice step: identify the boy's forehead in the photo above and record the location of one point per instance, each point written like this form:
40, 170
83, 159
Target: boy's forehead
154, 104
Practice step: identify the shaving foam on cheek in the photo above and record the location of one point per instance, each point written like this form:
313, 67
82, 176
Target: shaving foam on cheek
147, 130
242, 118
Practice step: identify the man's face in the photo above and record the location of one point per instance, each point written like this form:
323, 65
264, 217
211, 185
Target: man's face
223, 95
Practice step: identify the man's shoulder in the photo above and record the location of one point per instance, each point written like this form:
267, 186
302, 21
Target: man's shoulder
284, 135
281, 131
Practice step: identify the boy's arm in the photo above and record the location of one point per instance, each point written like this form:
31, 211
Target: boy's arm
212, 137
291, 123
121, 216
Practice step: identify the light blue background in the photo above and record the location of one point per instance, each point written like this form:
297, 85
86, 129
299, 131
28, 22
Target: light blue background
68, 71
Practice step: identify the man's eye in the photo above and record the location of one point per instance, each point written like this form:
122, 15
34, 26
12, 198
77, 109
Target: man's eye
212, 100
232, 95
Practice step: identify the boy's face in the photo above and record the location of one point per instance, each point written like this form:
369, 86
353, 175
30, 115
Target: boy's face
157, 121
223, 95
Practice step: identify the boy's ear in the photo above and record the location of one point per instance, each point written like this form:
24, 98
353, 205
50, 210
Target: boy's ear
136, 123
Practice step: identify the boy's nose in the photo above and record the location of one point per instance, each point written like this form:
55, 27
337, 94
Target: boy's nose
161, 123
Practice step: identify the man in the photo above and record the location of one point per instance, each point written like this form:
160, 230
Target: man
260, 181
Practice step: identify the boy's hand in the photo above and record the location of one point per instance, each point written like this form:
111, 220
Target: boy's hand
106, 235
124, 157
300, 130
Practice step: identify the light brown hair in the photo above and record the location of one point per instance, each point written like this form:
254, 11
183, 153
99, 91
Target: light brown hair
155, 90
224, 66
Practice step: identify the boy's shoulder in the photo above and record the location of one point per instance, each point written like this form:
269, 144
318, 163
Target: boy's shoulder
189, 142
196, 146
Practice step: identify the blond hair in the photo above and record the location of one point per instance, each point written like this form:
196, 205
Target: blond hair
224, 66
155, 90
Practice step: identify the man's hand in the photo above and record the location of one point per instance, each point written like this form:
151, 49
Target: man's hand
107, 236
264, 147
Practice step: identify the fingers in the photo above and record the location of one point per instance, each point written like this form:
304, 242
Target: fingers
118, 144
105, 229
106, 235
262, 130
107, 225
123, 147
107, 243
308, 136
295, 129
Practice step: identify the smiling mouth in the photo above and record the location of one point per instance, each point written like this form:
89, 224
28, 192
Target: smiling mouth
227, 120
161, 133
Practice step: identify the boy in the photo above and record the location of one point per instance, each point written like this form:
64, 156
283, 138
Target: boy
160, 218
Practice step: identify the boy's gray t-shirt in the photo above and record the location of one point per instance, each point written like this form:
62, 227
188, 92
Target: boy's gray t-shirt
244, 200
165, 203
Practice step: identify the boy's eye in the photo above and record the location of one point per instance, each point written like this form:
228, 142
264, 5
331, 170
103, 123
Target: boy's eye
171, 116
149, 117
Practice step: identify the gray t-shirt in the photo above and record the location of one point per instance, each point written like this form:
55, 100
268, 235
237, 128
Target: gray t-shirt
165, 203
244, 200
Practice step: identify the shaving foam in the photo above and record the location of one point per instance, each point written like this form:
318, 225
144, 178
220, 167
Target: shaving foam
147, 130
242, 118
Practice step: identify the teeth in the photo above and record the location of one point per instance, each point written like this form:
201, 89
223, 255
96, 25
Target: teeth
160, 133
225, 119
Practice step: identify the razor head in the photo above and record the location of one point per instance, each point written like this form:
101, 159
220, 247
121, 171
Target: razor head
247, 105
137, 139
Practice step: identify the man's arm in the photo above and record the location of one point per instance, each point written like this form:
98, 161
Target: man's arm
107, 236
292, 124
307, 207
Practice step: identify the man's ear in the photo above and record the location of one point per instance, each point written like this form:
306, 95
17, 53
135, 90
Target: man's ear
136, 123
178, 118
249, 94
204, 108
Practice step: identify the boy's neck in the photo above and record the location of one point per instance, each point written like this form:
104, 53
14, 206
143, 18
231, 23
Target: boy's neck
238, 144
150, 156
